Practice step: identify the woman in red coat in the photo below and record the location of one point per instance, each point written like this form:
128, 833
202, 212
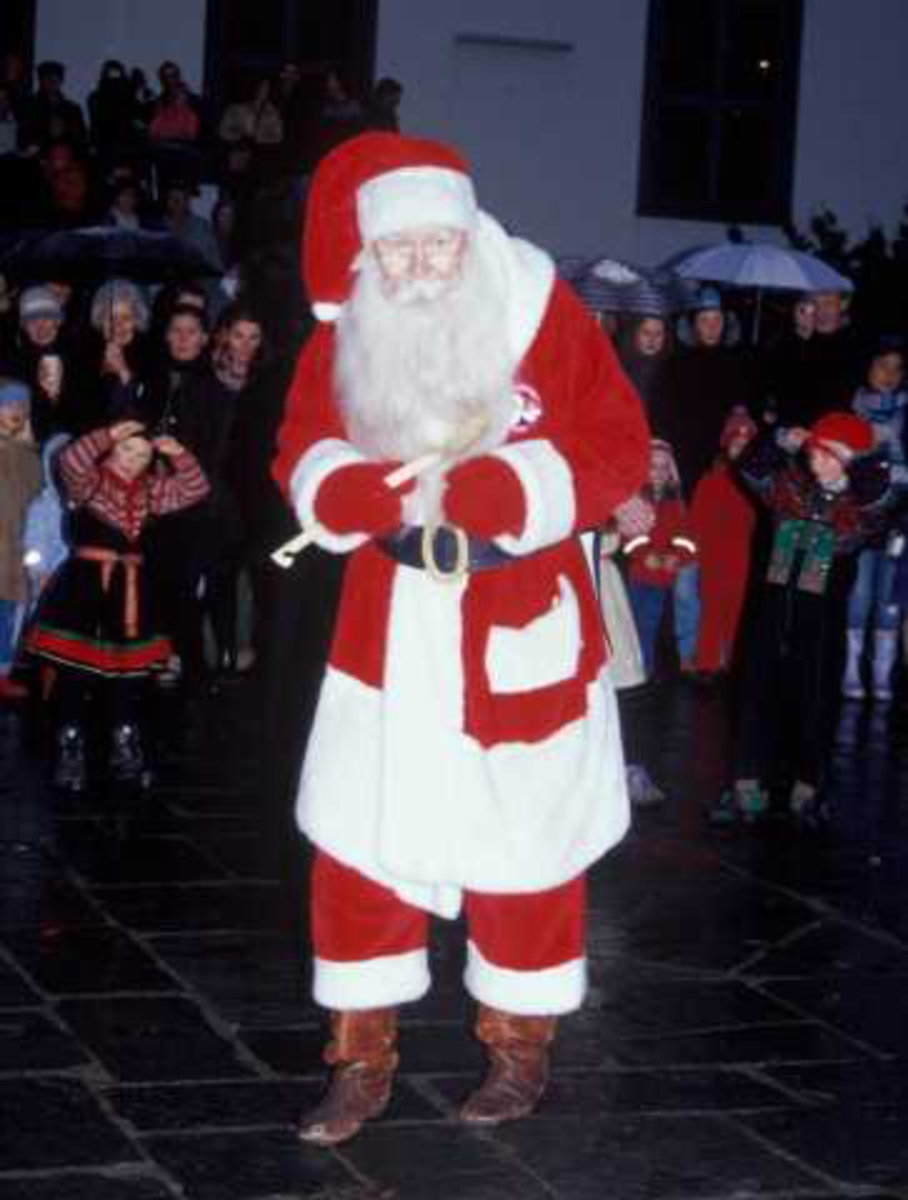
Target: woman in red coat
722, 518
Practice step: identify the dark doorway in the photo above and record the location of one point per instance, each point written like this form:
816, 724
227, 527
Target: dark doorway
246, 39
17, 29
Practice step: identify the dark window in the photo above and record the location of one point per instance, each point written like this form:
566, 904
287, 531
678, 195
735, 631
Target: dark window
17, 28
248, 38
720, 109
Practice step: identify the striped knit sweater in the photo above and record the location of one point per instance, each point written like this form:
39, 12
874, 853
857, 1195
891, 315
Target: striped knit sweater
127, 505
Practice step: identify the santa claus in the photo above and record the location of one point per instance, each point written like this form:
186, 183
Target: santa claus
465, 752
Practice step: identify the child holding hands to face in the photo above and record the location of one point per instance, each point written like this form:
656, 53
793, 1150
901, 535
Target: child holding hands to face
93, 620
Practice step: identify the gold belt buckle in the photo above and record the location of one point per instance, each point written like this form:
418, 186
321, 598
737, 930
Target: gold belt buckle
461, 561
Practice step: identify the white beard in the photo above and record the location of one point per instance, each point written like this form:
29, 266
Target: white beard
424, 369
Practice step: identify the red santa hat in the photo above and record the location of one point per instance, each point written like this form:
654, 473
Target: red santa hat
371, 186
843, 433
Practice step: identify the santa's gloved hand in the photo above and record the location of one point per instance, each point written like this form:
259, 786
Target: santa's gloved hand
356, 499
484, 497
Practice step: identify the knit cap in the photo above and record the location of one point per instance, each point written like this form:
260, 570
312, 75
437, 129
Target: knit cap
14, 394
707, 299
843, 431
38, 302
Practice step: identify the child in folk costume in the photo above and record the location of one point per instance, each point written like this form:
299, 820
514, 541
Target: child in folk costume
20, 478
826, 494
872, 601
656, 557
722, 518
93, 618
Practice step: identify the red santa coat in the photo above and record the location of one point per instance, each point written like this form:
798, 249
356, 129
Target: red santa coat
466, 734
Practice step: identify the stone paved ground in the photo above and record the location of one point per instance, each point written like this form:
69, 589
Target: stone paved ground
746, 1033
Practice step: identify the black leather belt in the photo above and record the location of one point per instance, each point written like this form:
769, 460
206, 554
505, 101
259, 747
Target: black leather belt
452, 551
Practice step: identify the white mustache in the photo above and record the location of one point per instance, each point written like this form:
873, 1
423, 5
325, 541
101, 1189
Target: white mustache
418, 291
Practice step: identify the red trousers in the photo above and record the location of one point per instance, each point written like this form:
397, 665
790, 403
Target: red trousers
525, 953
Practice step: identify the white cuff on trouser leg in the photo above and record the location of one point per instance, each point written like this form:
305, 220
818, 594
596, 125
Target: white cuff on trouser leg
372, 983
550, 992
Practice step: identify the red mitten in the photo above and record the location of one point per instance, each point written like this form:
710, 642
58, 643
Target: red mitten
485, 497
356, 499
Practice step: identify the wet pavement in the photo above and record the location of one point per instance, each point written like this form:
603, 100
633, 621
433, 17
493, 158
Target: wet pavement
745, 1035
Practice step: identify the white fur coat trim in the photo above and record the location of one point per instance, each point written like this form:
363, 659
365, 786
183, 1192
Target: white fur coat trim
316, 464
373, 983
525, 275
411, 197
393, 787
550, 992
548, 490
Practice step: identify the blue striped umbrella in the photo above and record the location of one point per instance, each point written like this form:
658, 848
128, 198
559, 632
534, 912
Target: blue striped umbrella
608, 285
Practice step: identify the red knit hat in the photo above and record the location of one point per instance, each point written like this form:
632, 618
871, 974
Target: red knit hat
843, 429
370, 186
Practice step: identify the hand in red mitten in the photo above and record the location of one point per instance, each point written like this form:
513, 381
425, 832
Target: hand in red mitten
484, 497
356, 499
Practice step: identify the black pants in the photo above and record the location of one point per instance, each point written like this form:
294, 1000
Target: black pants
785, 701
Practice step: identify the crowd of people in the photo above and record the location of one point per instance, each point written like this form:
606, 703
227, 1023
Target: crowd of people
64, 166
123, 403
457, 431
116, 391
774, 527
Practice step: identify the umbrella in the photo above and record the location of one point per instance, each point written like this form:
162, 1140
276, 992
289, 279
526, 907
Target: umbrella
93, 254
759, 265
610, 286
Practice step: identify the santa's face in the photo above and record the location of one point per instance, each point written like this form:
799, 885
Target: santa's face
423, 351
419, 264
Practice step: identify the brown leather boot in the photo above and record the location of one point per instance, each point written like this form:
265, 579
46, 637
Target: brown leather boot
519, 1066
363, 1053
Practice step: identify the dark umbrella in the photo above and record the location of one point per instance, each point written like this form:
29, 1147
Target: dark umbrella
91, 255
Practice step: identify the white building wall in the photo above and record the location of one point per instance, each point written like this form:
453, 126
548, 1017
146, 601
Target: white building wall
555, 133
550, 114
83, 33
852, 153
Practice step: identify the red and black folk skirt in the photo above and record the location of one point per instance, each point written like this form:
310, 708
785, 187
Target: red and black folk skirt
95, 616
